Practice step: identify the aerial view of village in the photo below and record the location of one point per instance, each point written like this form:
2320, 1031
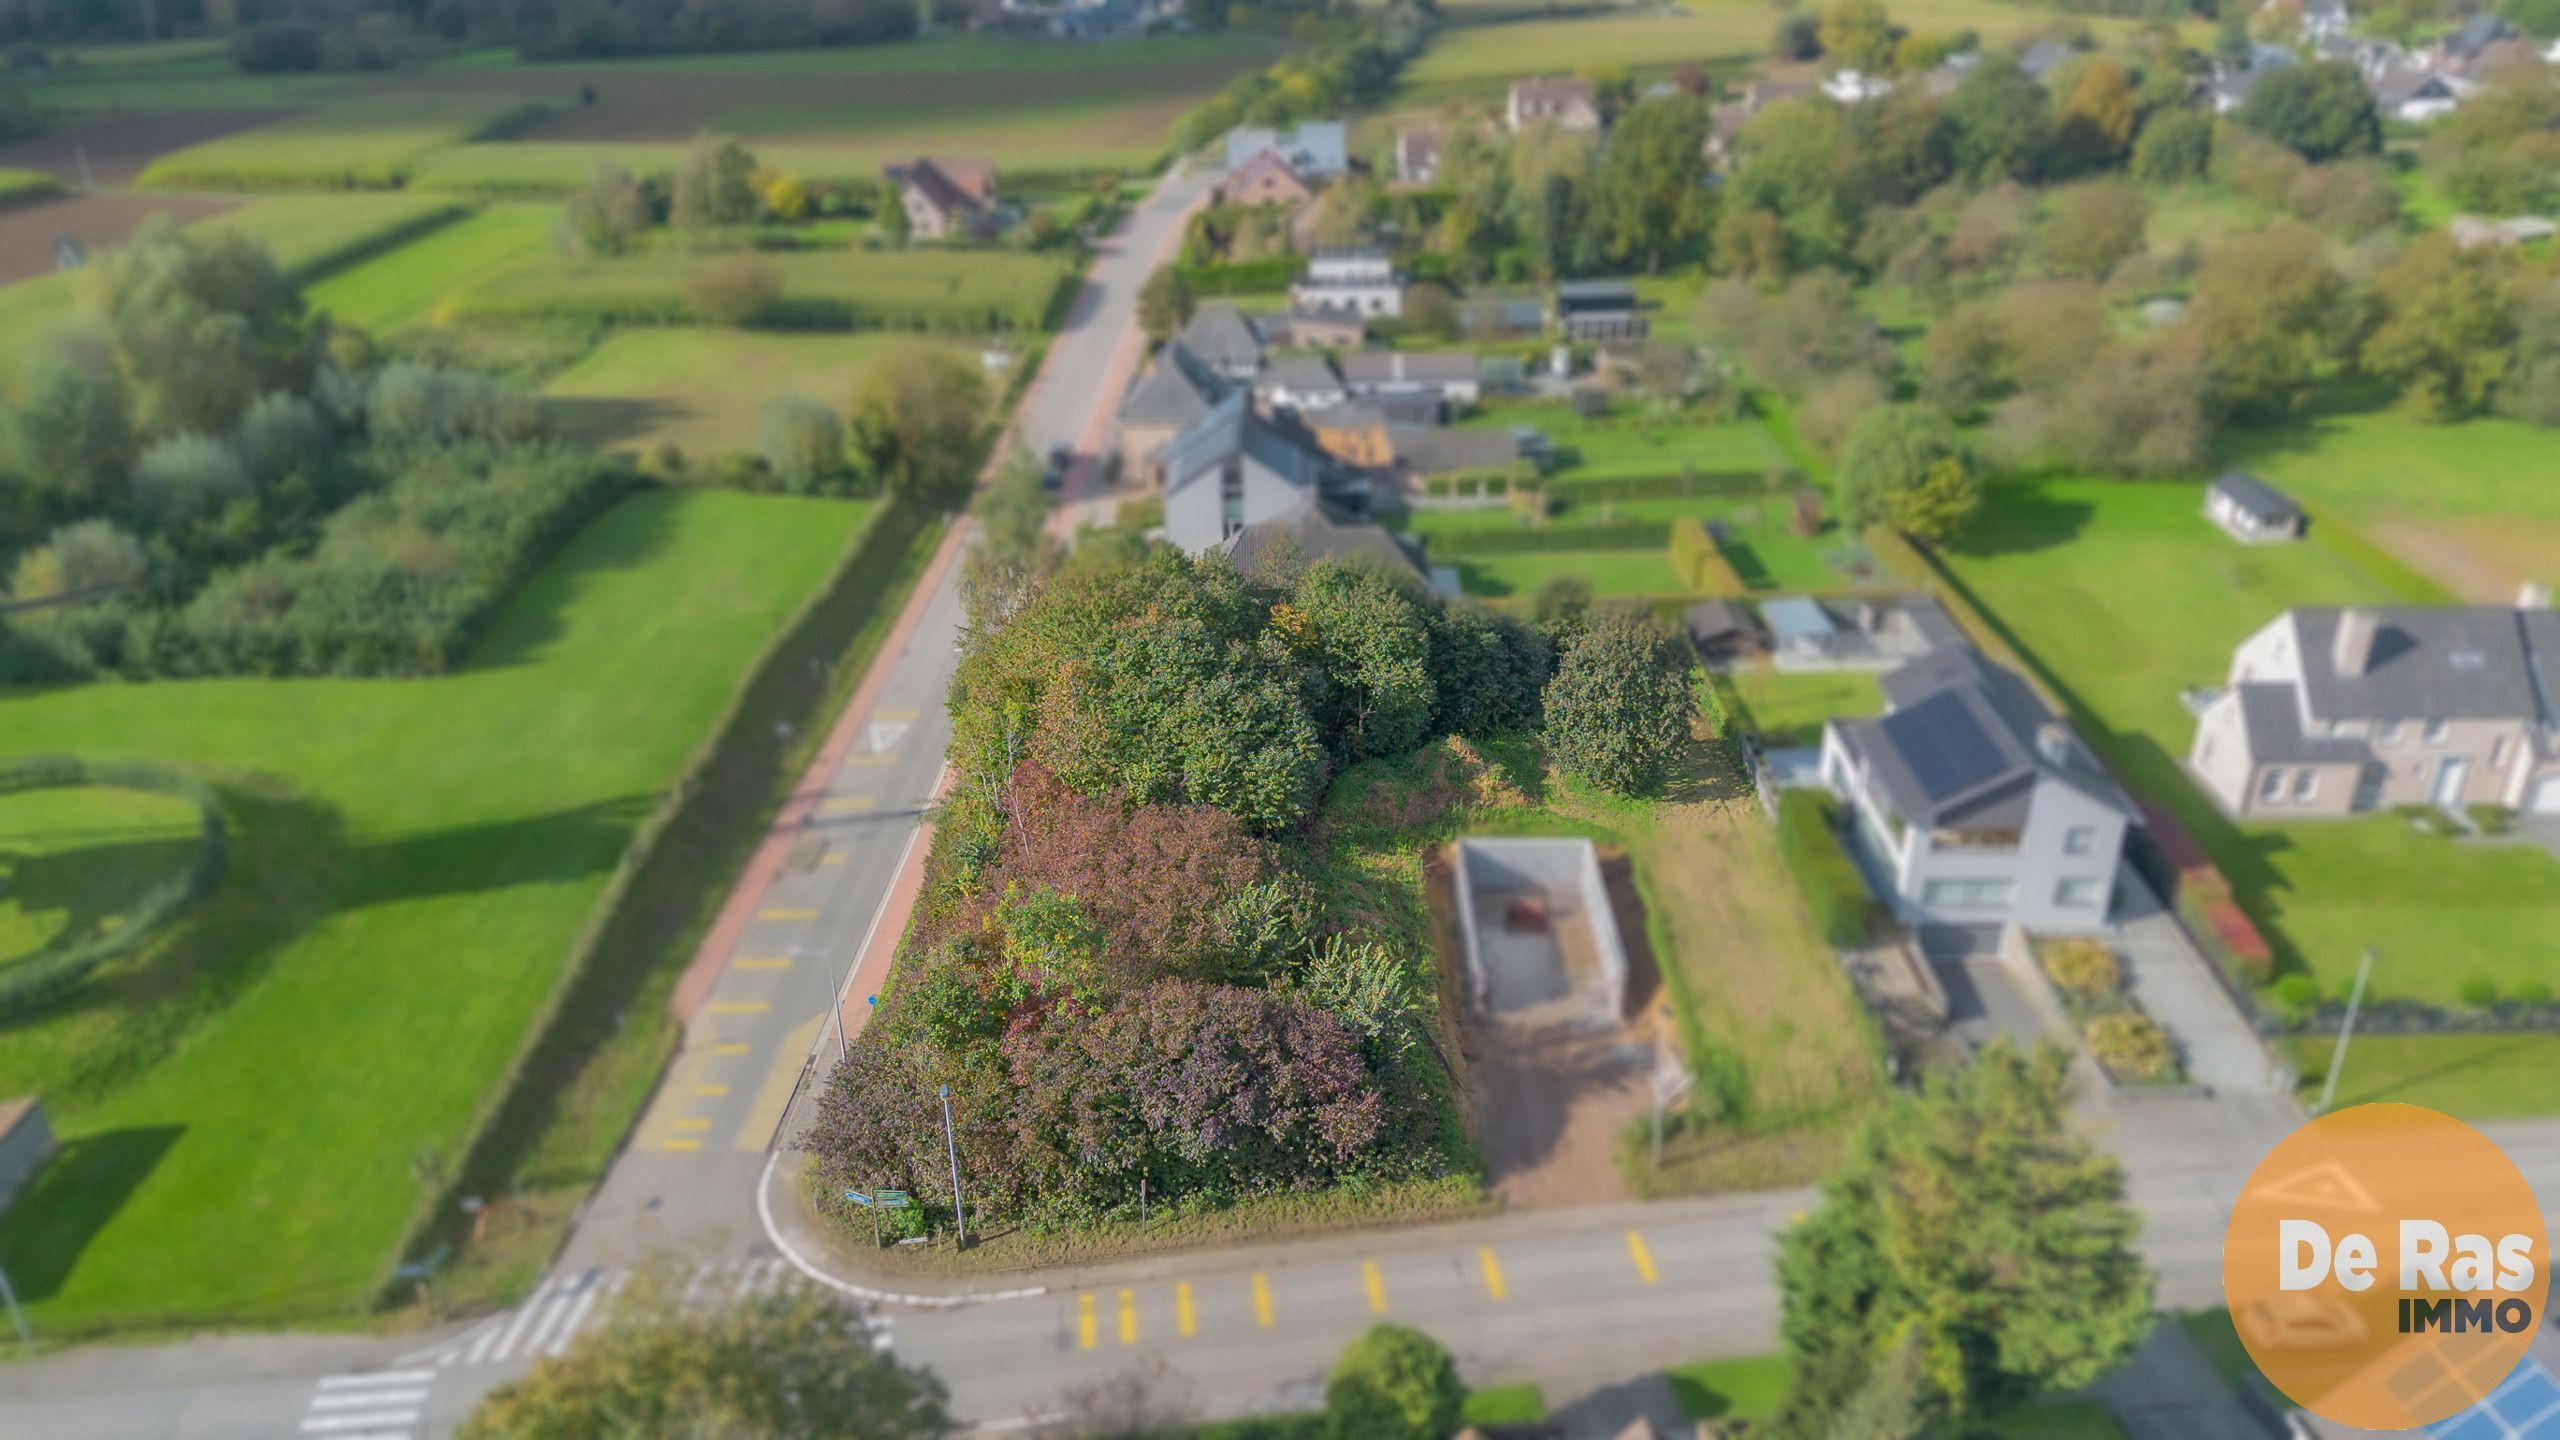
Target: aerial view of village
1278, 719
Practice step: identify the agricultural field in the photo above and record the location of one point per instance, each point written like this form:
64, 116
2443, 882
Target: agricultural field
392, 291
2122, 593
25, 187
552, 168
702, 390
410, 862
354, 144
29, 233
954, 291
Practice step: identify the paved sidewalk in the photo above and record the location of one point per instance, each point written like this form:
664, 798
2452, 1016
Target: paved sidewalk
2174, 983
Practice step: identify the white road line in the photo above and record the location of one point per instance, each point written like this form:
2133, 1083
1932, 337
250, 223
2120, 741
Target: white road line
488, 1336
370, 1420
693, 1287
524, 1316
552, 1314
385, 1377
379, 1435
358, 1399
577, 1316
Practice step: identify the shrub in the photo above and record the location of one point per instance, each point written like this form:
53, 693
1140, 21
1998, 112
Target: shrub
2533, 994
2085, 967
1490, 670
734, 290
802, 440
2479, 992
1618, 708
2297, 993
2240, 940
77, 556
413, 407
2491, 819
188, 477
1834, 890
1393, 1383
281, 434
2132, 1047
2177, 146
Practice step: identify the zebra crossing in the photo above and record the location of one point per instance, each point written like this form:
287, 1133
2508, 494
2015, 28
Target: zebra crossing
382, 1405
567, 1305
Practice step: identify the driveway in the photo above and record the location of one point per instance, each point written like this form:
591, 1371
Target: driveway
2175, 985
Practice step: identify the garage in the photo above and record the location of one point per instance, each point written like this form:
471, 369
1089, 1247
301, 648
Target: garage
2546, 796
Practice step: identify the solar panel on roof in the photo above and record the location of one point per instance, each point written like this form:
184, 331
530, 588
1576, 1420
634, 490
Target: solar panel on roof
1946, 747
2526, 1406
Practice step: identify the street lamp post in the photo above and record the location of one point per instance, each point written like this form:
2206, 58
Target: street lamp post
952, 1146
17, 1316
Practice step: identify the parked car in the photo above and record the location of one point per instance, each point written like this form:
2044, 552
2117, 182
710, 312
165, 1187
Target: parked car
1061, 458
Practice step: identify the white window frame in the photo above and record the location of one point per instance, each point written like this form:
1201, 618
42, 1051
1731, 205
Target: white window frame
2096, 886
2080, 840
2439, 731
1982, 894
2306, 785
2392, 732
2271, 785
2497, 752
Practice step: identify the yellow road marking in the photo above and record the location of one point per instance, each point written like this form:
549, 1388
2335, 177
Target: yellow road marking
1183, 1319
1128, 1317
710, 1091
1377, 1284
1642, 1257
848, 804
734, 1047
693, 1124
790, 914
1261, 1301
876, 757
1084, 1322
765, 1115
762, 962
1493, 1285
833, 857
740, 1007
680, 1146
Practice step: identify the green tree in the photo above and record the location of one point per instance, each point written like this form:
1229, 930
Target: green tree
2320, 111
2447, 322
1891, 449
2003, 126
1858, 34
1014, 551
603, 216
919, 422
787, 1362
71, 434
1164, 304
2176, 146
200, 325
2272, 310
1960, 361
2095, 126
714, 185
1973, 1224
1393, 1383
1649, 198
2094, 225
1618, 707
802, 440
77, 556
1370, 654
1939, 505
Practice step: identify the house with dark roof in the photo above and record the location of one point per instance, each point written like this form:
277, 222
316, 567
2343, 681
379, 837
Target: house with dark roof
1447, 375
1304, 327
1238, 468
946, 198
1225, 340
1265, 178
1971, 803
1175, 393
1589, 310
1320, 529
1299, 383
2333, 711
1319, 150
2251, 510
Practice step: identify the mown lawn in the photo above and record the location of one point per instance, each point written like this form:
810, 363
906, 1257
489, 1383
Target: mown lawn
2492, 1077
1754, 1387
2122, 593
401, 287
1608, 572
704, 390
1630, 442
252, 1112
74, 859
955, 291
1787, 707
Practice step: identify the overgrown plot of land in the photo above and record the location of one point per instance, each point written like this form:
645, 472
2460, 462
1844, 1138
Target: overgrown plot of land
252, 1112
703, 390
402, 287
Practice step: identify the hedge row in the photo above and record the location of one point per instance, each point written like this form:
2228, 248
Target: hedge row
48, 975
1700, 562
654, 897
1249, 277
1523, 539
1679, 485
1834, 890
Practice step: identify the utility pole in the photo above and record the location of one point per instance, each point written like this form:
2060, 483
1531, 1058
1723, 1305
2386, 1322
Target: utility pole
958, 1208
2346, 1032
17, 1316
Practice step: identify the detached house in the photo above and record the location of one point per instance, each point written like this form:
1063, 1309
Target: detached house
1225, 340
1176, 393
1448, 376
1318, 150
1360, 280
2333, 712
1971, 803
944, 199
1267, 179
1418, 155
1573, 104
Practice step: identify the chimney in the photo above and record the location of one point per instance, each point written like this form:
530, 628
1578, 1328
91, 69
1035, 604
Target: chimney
2053, 743
2534, 595
2353, 650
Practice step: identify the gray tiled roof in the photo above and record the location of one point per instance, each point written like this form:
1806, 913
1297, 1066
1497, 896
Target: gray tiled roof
2274, 725
2447, 662
1433, 450
1232, 428
1319, 530
1300, 373
1425, 367
1986, 697
1178, 389
2266, 502
1222, 336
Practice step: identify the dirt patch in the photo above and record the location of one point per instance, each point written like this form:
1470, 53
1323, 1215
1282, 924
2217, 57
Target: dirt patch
1550, 1087
2484, 559
28, 234
119, 146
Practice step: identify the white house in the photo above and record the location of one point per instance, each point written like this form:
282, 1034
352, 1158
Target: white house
1856, 87
1451, 376
2251, 510
1361, 280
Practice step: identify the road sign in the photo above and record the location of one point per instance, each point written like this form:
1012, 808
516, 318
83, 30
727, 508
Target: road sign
858, 1198
893, 1199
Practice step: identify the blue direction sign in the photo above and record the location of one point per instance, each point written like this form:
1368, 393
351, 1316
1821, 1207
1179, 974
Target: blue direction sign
857, 1197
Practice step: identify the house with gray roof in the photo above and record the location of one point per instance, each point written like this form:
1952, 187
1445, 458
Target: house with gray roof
1221, 336
1449, 376
2333, 711
1971, 803
2250, 510
1319, 150
1321, 529
1299, 382
1239, 468
1175, 393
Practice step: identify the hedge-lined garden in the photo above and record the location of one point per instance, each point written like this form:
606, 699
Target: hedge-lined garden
144, 904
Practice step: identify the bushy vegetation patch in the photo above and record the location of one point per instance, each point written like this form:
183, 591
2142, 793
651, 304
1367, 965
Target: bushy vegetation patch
1809, 837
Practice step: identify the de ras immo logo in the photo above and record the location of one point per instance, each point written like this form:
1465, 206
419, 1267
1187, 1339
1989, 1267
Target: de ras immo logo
2386, 1266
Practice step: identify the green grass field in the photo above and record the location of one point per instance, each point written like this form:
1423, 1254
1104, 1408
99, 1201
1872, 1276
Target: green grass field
362, 143
253, 1111
400, 288
1751, 1388
1608, 572
176, 75
74, 859
2478, 1077
1788, 707
956, 291
1630, 443
543, 168
2123, 593
21, 187
702, 389
313, 235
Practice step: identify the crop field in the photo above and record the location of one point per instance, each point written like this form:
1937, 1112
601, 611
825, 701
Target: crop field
191, 74
700, 389
400, 287
312, 235
550, 168
252, 1112
28, 233
1473, 59
953, 291
354, 144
